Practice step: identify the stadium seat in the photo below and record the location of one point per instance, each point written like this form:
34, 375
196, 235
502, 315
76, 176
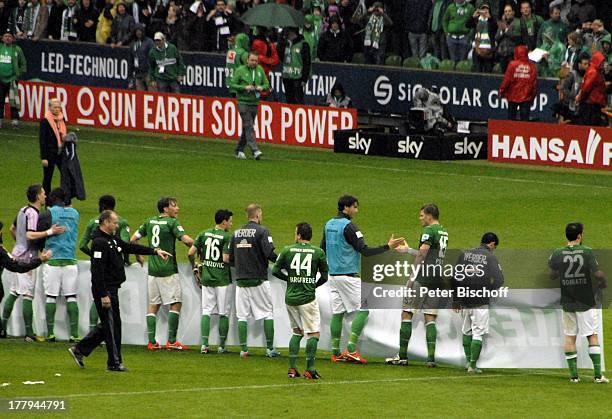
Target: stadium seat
358, 58
411, 62
464, 66
394, 60
446, 65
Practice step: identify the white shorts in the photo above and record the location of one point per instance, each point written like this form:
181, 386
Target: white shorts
255, 302
216, 300
164, 290
60, 280
305, 317
420, 303
346, 294
583, 323
475, 321
23, 284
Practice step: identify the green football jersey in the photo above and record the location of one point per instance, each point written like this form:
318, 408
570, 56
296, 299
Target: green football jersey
92, 225
437, 238
302, 261
211, 245
575, 265
162, 232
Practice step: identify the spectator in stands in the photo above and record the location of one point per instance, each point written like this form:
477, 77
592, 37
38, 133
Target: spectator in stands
569, 88
140, 10
54, 24
87, 21
437, 38
198, 28
335, 45
236, 56
485, 27
5, 14
170, 26
551, 62
139, 58
122, 27
296, 65
311, 34
573, 50
581, 11
166, 68
520, 84
416, 18
17, 20
599, 33
332, 11
525, 29
455, 27
503, 38
69, 22
377, 24
35, 21
337, 98
223, 22
51, 140
554, 24
12, 67
105, 23
268, 55
592, 96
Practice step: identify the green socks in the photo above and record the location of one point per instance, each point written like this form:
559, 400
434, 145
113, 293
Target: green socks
269, 332
294, 349
151, 323
28, 314
173, 321
50, 315
242, 335
430, 336
467, 343
405, 333
311, 352
336, 332
93, 317
572, 363
595, 355
475, 349
356, 329
8, 308
223, 330
205, 328
73, 315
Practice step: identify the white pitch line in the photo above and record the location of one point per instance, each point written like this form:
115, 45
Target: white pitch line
350, 165
268, 386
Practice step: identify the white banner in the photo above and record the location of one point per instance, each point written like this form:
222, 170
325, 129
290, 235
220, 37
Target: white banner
518, 338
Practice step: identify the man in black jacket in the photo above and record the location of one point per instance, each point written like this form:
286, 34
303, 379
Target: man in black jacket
335, 45
107, 275
250, 250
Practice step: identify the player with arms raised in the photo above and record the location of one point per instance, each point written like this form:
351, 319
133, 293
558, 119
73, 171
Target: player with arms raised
301, 262
576, 266
164, 283
429, 259
213, 276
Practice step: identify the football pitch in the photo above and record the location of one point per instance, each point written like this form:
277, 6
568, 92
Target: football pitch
527, 207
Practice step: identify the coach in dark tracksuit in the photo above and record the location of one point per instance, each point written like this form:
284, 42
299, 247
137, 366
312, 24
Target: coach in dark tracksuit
477, 270
107, 275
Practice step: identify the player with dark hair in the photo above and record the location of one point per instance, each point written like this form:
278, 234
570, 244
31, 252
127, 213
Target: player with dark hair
105, 202
476, 270
164, 283
429, 256
298, 265
344, 245
576, 267
212, 274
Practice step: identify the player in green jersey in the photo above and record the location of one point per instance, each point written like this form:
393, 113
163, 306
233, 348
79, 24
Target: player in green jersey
164, 283
298, 265
575, 266
212, 275
106, 202
429, 259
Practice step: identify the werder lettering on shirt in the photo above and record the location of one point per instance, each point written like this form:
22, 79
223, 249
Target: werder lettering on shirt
162, 222
166, 61
245, 232
216, 236
300, 250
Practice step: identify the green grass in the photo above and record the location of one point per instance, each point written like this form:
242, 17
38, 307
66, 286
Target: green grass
527, 206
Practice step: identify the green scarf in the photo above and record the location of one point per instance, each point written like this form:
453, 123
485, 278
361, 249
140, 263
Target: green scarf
373, 31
